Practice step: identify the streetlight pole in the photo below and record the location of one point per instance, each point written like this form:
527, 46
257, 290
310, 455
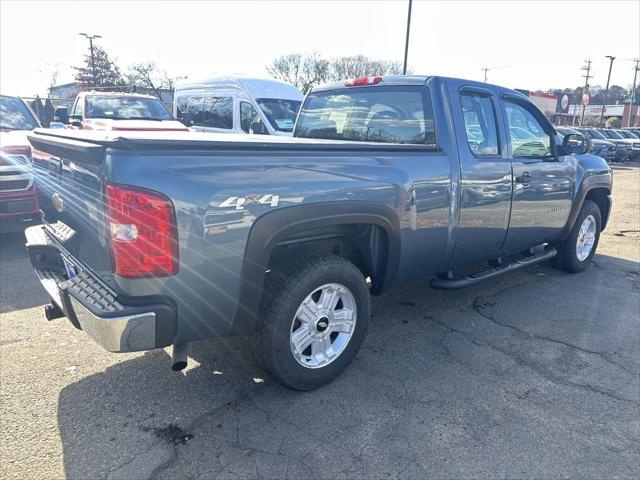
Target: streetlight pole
606, 90
633, 92
93, 60
406, 42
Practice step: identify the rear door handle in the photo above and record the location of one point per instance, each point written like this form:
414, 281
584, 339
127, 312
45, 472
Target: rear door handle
525, 178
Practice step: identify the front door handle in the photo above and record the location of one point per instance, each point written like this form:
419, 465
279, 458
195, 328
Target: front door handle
525, 178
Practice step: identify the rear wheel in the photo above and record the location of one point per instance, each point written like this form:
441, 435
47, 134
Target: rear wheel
577, 250
312, 321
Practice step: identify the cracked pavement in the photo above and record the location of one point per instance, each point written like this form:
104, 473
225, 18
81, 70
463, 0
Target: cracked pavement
535, 374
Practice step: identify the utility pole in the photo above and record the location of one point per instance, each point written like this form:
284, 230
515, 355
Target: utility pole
485, 70
606, 90
633, 94
406, 42
585, 91
93, 60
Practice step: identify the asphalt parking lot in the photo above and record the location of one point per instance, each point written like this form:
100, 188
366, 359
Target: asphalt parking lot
533, 375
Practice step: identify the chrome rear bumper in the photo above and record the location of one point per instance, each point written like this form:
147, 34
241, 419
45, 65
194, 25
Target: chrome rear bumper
92, 306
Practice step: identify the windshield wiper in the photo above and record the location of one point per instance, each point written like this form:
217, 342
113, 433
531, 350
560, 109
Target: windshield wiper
107, 117
7, 127
147, 118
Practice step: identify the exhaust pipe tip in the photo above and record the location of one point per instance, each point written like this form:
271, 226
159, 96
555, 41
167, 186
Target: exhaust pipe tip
51, 312
179, 357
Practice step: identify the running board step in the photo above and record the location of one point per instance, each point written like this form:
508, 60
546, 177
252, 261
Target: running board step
457, 283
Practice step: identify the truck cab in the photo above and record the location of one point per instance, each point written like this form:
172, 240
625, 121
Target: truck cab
118, 111
234, 104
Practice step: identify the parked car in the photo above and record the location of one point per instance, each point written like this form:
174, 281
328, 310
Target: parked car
635, 145
594, 133
18, 200
118, 111
600, 147
161, 238
624, 144
238, 105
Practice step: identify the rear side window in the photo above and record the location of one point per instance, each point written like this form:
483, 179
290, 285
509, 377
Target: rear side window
479, 123
206, 110
369, 114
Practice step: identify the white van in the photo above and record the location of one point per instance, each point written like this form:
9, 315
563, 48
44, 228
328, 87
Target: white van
237, 105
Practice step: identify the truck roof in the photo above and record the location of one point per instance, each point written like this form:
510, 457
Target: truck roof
115, 94
414, 80
254, 87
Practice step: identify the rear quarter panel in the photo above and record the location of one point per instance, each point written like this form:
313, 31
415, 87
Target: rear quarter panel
213, 237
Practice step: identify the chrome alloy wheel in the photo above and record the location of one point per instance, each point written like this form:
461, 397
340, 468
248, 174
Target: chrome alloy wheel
323, 325
586, 237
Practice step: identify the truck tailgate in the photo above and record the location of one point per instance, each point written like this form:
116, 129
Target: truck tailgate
70, 175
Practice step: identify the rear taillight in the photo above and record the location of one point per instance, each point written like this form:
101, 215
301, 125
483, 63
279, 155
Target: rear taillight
361, 81
142, 230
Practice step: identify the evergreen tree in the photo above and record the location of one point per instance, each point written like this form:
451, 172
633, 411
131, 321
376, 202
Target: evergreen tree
107, 72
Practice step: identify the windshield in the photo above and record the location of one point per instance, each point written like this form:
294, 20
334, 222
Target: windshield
566, 131
626, 134
369, 114
522, 134
15, 115
595, 134
612, 134
280, 113
126, 108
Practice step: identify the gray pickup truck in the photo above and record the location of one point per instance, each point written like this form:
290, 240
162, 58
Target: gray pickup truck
155, 239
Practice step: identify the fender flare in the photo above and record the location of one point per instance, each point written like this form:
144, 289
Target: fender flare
271, 228
588, 184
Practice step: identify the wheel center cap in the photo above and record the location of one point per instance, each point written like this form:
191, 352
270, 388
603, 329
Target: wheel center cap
322, 324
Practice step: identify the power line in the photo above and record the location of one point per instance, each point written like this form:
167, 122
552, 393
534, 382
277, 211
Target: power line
585, 91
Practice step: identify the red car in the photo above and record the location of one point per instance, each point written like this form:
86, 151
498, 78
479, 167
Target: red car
18, 200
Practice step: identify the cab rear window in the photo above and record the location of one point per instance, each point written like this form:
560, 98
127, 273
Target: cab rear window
369, 114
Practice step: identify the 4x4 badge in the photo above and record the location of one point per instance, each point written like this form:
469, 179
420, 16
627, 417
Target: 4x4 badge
240, 202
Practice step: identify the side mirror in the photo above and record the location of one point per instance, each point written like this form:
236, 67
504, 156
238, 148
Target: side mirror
187, 119
258, 128
61, 114
56, 125
75, 120
574, 143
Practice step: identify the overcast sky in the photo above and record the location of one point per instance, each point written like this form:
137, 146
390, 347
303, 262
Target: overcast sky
527, 45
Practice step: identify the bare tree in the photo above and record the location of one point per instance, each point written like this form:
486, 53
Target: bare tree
307, 70
302, 70
148, 75
53, 79
362, 66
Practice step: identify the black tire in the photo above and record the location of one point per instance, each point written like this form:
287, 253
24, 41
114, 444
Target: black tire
285, 291
567, 257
